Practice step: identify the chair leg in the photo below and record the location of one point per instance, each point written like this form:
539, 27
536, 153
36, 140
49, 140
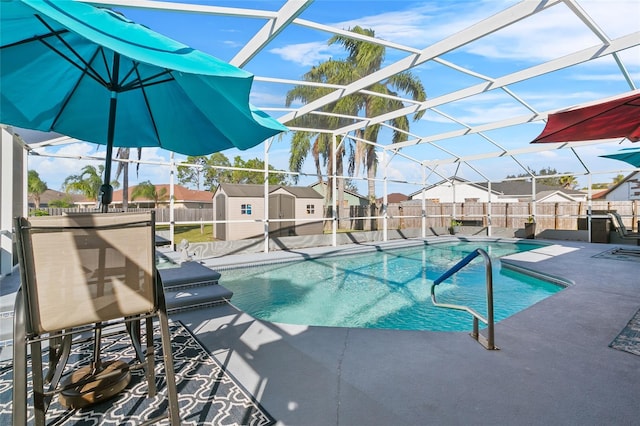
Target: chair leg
38, 383
19, 362
150, 362
57, 362
167, 354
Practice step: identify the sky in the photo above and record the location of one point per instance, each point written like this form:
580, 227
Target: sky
549, 35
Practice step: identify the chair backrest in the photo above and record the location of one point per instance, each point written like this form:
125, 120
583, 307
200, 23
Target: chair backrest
85, 268
616, 221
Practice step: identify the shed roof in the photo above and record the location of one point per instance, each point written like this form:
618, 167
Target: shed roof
257, 190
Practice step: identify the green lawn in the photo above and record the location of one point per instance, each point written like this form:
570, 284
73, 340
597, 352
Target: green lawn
192, 233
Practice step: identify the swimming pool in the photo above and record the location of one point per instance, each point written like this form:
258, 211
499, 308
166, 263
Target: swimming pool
385, 289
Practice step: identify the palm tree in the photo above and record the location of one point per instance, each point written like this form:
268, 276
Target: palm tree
568, 182
35, 187
87, 183
618, 179
123, 167
363, 59
319, 144
148, 191
366, 58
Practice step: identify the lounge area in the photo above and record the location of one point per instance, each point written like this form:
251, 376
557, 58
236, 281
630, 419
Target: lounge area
508, 131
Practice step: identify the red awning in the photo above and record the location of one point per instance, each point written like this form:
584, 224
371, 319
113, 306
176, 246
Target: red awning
614, 118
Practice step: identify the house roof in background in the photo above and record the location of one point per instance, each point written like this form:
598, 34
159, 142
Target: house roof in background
603, 194
347, 191
181, 194
52, 195
523, 188
394, 198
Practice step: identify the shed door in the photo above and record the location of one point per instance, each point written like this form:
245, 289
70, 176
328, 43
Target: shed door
282, 206
221, 214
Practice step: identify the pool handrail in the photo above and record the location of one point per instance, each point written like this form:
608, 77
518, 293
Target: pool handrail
490, 341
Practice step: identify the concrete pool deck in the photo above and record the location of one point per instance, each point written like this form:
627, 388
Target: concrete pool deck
554, 365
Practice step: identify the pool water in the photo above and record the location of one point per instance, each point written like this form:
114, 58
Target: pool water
385, 289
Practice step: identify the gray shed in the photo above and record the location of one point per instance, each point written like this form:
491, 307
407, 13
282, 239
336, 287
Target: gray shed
293, 210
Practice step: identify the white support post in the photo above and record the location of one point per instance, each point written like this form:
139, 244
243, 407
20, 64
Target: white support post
385, 198
267, 145
172, 222
489, 231
424, 202
533, 198
13, 190
334, 223
589, 207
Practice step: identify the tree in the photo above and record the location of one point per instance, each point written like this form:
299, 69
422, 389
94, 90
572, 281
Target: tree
87, 183
123, 167
252, 177
214, 176
548, 171
35, 187
363, 59
618, 179
187, 175
64, 202
568, 182
366, 58
148, 191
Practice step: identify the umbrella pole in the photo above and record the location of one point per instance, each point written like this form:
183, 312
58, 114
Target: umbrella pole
106, 190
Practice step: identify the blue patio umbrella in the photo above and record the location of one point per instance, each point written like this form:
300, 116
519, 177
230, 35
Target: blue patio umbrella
628, 155
92, 74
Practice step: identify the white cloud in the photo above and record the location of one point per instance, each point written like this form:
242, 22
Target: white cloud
54, 170
545, 36
306, 54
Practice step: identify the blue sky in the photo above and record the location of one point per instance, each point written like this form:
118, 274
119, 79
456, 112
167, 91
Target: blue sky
549, 35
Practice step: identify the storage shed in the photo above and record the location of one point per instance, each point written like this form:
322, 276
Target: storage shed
293, 210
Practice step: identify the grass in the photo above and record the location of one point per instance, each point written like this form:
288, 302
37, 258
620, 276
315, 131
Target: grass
191, 233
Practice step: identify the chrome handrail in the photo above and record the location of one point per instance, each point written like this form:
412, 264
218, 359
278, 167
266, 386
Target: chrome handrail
490, 341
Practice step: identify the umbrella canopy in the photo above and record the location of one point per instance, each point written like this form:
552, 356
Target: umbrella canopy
628, 155
615, 118
94, 75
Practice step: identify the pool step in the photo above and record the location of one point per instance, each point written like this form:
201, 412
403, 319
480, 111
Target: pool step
196, 297
192, 286
188, 274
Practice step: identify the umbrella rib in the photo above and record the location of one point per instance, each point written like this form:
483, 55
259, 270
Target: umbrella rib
87, 66
35, 38
70, 95
139, 82
146, 101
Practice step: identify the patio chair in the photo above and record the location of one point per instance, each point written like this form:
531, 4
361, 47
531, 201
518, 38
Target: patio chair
621, 230
79, 274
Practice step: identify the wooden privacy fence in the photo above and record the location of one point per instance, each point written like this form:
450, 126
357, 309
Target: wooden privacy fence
505, 215
162, 214
409, 214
